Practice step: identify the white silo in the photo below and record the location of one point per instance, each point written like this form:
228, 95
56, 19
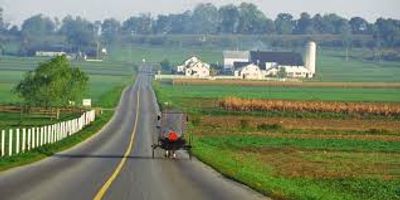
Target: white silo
310, 57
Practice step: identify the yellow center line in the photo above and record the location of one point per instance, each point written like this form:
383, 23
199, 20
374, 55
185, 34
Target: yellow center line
100, 194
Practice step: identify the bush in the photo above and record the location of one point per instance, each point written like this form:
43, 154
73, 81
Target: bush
244, 124
270, 127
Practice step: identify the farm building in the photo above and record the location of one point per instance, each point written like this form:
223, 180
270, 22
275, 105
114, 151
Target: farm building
194, 67
250, 71
269, 63
230, 57
49, 51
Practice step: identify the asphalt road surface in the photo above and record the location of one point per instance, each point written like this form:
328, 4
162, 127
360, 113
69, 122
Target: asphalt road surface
116, 164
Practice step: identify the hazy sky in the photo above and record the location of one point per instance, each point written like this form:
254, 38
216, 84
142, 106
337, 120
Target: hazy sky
18, 10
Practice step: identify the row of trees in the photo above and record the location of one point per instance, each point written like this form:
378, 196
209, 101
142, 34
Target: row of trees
206, 18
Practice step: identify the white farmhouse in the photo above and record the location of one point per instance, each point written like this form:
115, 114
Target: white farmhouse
194, 67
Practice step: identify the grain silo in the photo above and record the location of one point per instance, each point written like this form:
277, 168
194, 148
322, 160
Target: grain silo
310, 57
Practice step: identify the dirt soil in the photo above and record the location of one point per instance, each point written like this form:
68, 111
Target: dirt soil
328, 164
297, 123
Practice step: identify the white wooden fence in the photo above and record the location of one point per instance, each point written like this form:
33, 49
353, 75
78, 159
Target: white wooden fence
20, 140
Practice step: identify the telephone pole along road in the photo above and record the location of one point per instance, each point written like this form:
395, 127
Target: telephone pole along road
116, 163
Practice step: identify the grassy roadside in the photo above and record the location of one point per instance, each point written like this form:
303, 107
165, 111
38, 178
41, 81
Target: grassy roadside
111, 99
248, 169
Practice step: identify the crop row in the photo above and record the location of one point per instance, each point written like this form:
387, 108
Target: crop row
241, 104
291, 83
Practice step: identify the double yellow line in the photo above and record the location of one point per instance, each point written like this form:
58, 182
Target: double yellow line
100, 194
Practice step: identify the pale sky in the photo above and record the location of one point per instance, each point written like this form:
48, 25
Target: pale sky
18, 10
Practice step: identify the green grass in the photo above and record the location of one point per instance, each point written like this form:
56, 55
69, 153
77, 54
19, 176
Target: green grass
332, 66
170, 92
18, 120
251, 141
103, 77
250, 170
175, 55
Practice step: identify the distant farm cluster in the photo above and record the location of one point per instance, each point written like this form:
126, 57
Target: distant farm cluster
255, 65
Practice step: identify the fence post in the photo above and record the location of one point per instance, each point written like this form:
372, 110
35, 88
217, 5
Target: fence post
29, 139
58, 132
17, 147
53, 131
64, 130
69, 128
76, 125
41, 136
23, 140
3, 142
33, 138
44, 135
10, 141
38, 137
48, 134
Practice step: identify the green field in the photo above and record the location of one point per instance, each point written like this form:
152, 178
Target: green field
103, 77
291, 163
331, 66
175, 93
106, 82
290, 171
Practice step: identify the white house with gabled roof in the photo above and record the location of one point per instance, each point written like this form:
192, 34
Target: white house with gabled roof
194, 67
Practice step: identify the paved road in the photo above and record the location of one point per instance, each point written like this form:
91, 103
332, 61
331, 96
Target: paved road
83, 171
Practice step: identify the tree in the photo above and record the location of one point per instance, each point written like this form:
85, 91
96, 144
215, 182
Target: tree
79, 32
359, 25
281, 73
388, 30
110, 29
228, 19
38, 26
251, 19
138, 25
162, 24
52, 84
304, 25
2, 24
165, 65
318, 24
205, 19
284, 23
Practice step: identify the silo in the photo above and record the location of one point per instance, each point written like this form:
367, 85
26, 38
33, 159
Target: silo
310, 57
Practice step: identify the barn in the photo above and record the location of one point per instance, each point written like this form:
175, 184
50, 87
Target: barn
230, 57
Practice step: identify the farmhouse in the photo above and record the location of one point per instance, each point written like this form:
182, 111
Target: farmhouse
270, 63
194, 67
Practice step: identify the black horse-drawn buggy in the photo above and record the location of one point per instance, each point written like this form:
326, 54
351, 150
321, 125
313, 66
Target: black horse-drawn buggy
171, 136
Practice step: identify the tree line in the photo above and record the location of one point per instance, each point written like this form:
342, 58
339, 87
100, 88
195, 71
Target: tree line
206, 18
